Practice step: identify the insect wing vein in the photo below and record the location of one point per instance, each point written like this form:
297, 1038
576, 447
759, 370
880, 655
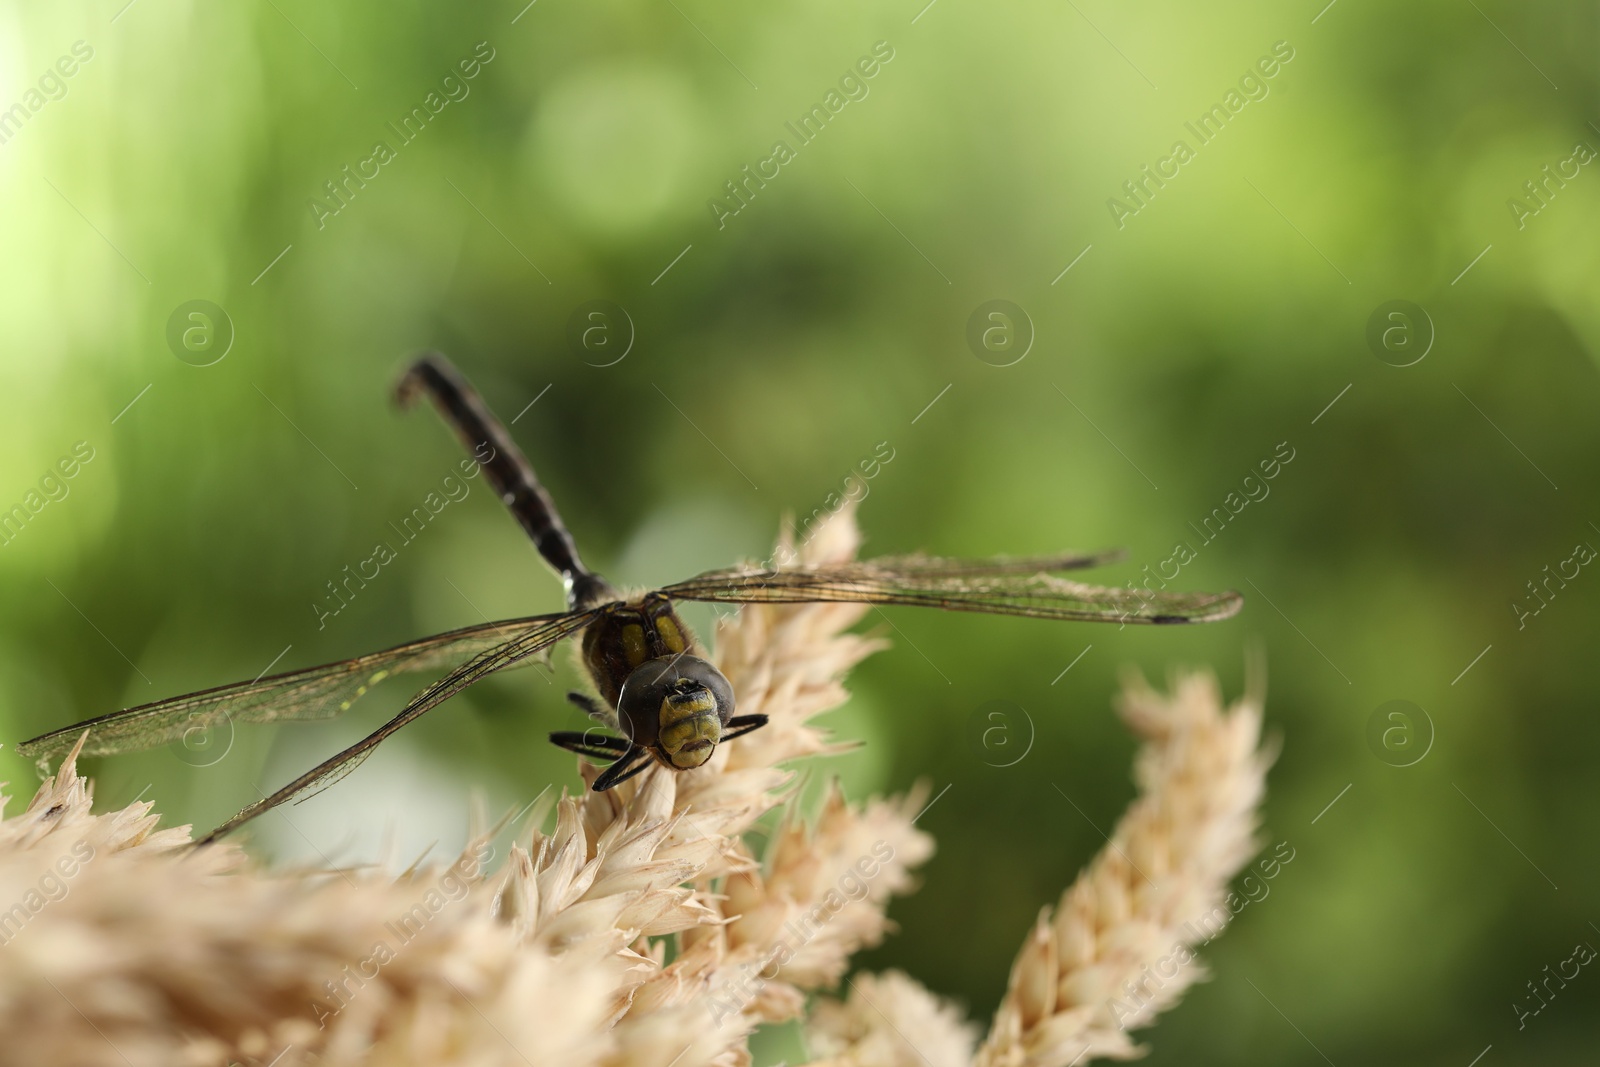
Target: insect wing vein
1007, 589
536, 635
319, 692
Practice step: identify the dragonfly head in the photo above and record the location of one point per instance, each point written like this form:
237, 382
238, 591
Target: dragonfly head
677, 706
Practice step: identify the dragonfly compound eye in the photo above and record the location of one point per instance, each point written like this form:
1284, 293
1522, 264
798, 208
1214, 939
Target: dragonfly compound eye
677, 705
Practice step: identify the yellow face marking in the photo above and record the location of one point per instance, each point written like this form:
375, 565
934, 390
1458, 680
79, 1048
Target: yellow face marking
689, 759
676, 710
671, 636
633, 643
690, 729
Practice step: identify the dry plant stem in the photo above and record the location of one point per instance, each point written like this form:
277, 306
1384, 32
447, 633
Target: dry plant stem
119, 946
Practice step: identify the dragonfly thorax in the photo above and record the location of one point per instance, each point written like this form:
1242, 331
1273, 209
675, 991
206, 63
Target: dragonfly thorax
627, 635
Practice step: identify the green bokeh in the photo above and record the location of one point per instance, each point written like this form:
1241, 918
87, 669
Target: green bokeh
1177, 353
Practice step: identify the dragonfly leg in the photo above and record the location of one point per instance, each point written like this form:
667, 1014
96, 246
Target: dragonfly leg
630, 764
589, 743
590, 706
740, 725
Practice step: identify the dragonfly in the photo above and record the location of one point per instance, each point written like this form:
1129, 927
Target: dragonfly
655, 690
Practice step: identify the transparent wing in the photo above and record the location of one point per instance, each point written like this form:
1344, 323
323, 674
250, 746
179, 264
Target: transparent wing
314, 693
973, 568
998, 587
533, 636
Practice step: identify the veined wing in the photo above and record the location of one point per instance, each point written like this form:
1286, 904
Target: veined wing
998, 587
973, 568
534, 636
313, 693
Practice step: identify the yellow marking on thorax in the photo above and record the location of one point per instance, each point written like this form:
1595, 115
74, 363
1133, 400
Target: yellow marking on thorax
671, 636
633, 643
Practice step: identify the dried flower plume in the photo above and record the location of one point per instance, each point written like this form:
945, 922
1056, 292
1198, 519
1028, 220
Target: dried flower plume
1119, 947
639, 930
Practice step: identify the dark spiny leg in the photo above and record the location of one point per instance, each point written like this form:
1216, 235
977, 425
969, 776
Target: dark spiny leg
602, 784
590, 706
619, 771
740, 725
643, 765
591, 744
507, 469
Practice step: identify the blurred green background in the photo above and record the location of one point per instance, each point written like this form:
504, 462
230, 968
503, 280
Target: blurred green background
179, 162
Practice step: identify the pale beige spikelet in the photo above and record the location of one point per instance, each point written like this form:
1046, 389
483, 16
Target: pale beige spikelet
823, 897
673, 1036
889, 1020
1120, 946
564, 887
793, 929
62, 811
140, 952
